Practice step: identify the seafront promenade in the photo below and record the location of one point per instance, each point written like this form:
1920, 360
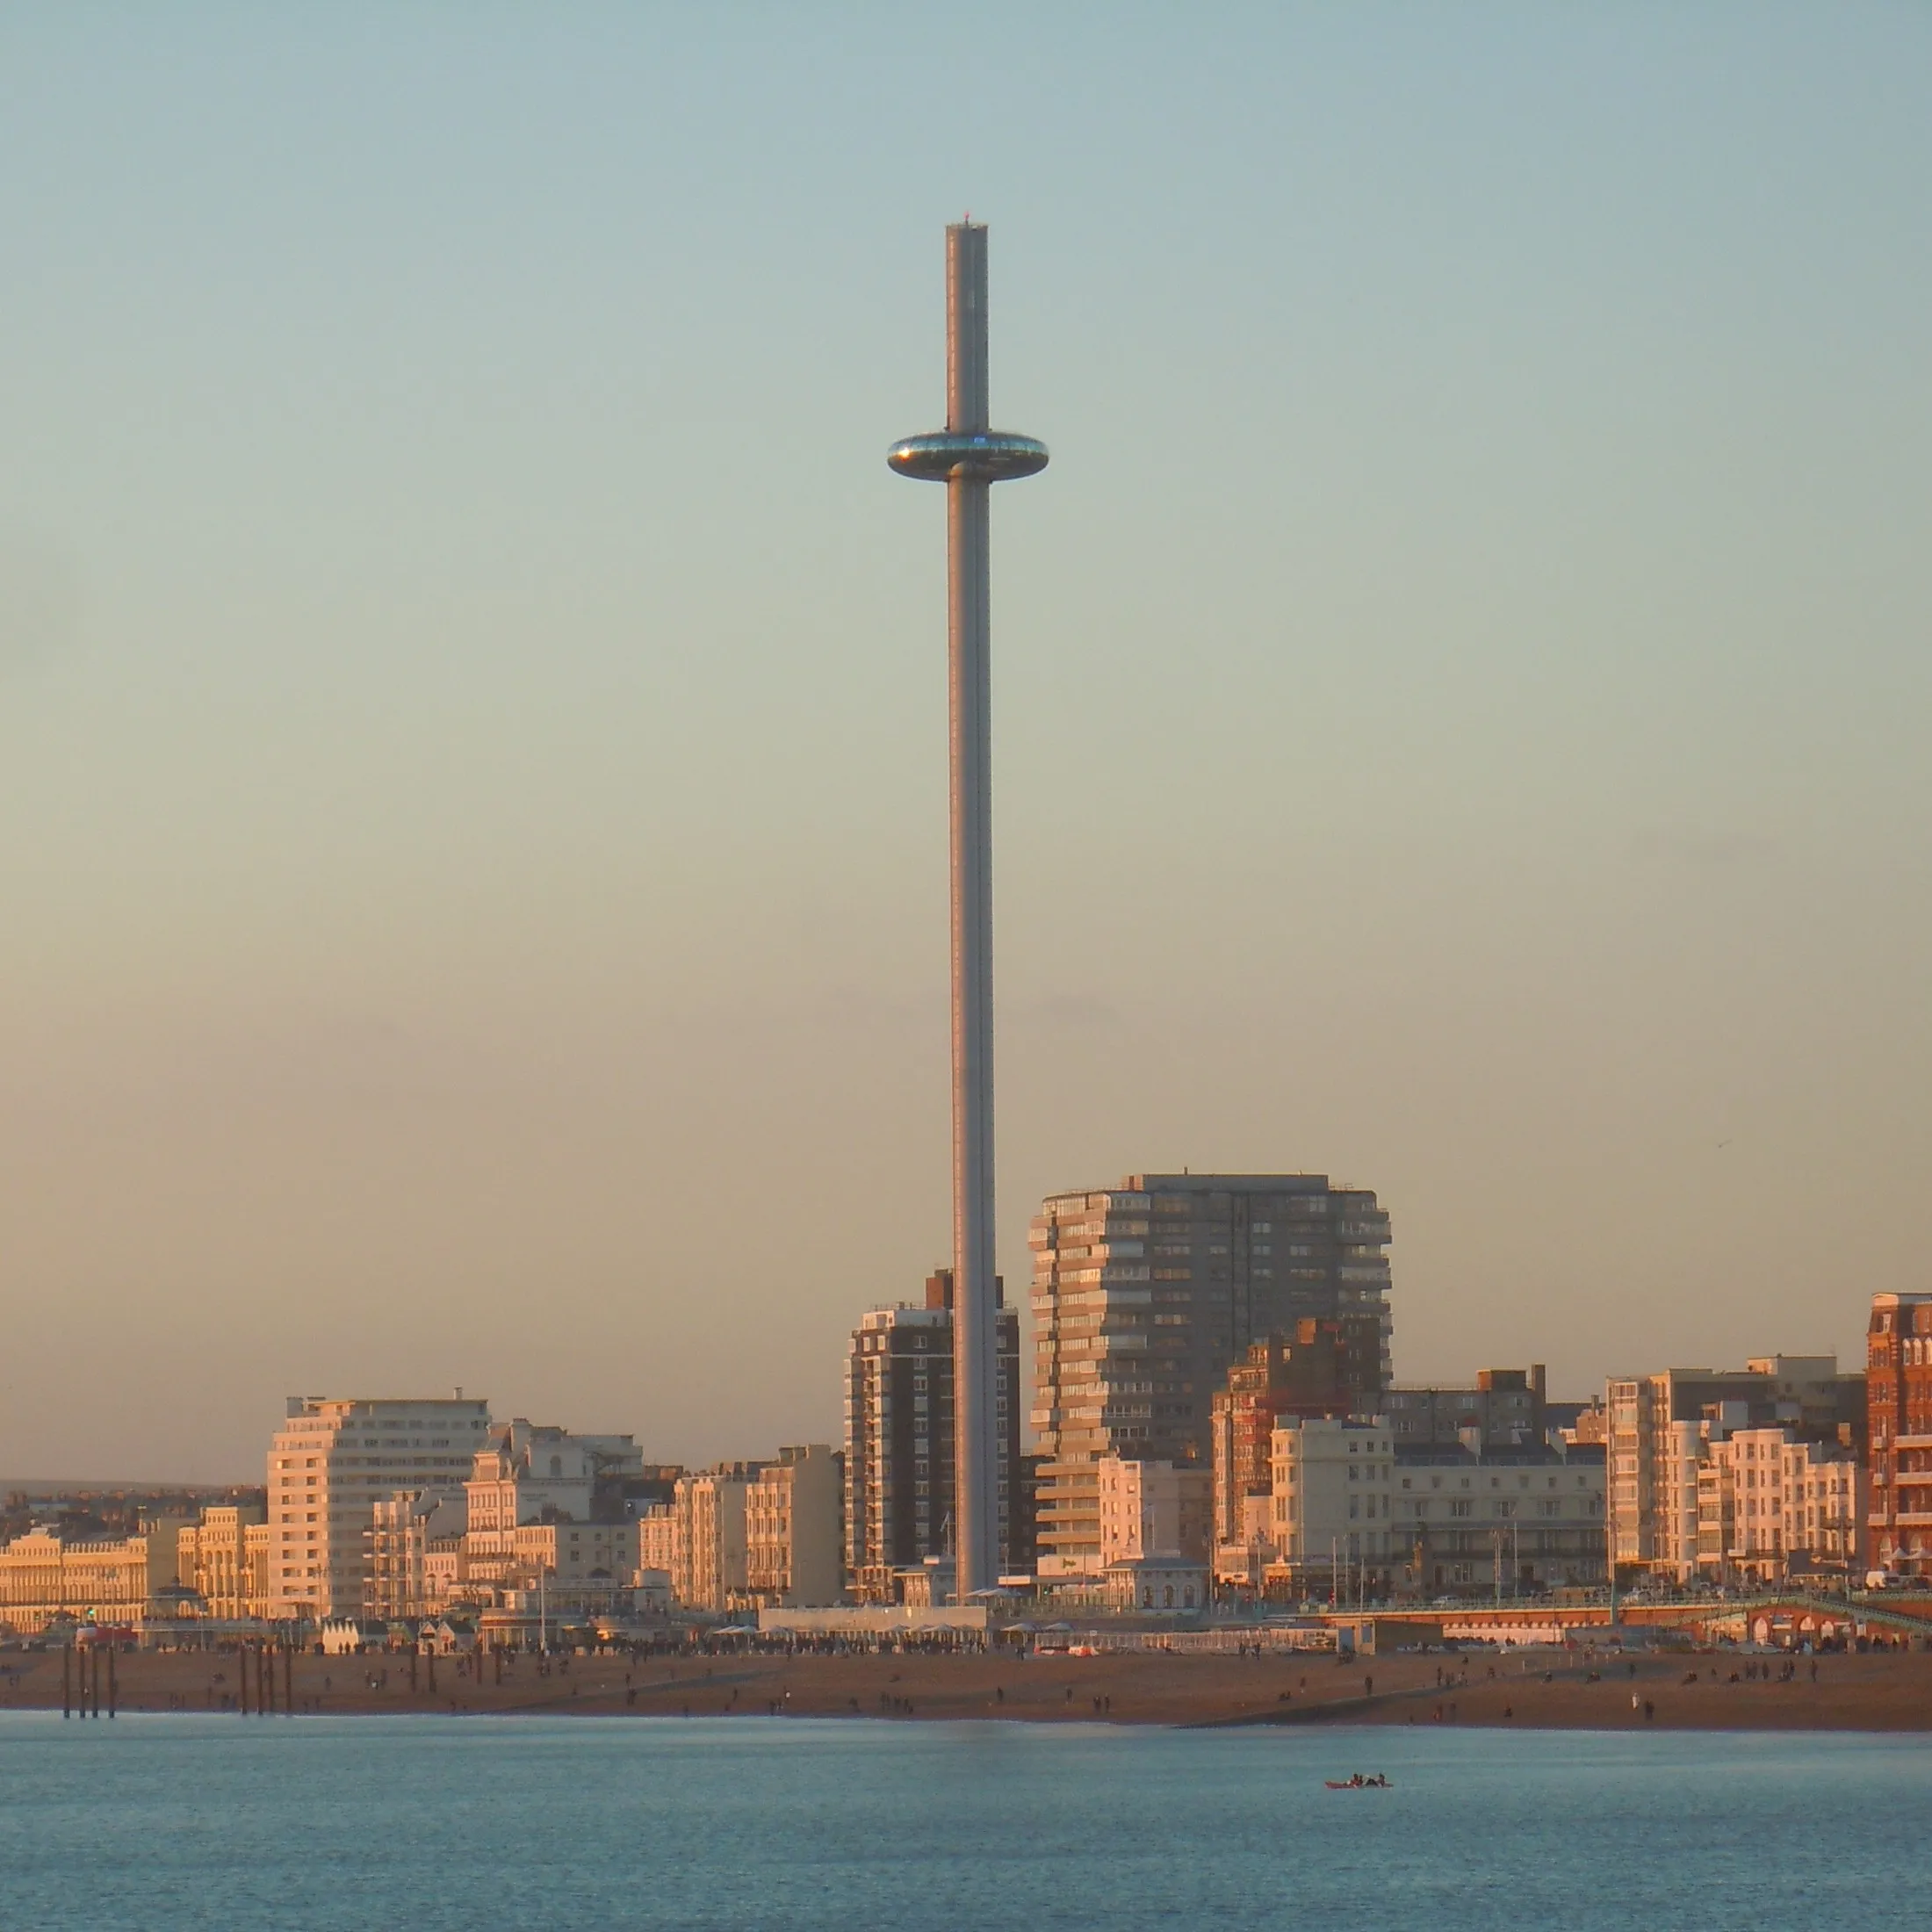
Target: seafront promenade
1785, 1617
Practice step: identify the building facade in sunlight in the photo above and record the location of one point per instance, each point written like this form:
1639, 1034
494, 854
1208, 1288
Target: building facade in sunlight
898, 1452
49, 1576
1145, 1294
1899, 1399
1672, 1475
330, 1463
794, 1528
223, 1557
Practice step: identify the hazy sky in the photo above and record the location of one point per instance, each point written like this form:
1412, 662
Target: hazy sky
473, 868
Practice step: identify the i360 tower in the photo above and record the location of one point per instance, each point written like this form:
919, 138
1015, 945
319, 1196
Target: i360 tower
969, 457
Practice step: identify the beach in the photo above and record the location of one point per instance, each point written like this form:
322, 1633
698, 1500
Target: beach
1530, 1689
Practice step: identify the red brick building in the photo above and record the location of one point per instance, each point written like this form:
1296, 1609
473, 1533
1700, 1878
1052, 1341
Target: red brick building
1324, 1366
1899, 1432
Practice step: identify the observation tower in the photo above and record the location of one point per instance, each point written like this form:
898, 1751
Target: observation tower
969, 457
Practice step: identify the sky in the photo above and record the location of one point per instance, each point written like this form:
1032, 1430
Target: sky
473, 756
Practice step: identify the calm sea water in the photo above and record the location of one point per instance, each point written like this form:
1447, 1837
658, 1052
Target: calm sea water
418, 1824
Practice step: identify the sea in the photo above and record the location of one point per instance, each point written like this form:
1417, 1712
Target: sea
418, 1824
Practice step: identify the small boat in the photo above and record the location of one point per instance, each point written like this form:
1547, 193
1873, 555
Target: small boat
1358, 1784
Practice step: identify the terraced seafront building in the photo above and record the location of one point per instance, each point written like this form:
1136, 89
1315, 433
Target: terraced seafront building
1665, 1430
1145, 1294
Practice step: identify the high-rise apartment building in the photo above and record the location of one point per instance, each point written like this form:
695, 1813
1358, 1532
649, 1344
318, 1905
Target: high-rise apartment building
330, 1463
1144, 1295
1898, 1396
898, 1451
1661, 1428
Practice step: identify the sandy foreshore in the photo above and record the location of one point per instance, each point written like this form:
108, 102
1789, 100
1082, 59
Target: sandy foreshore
1537, 1689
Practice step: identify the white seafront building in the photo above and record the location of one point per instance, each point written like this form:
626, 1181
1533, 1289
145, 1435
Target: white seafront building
331, 1462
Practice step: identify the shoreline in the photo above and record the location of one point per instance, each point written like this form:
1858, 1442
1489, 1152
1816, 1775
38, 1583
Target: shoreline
1527, 1690
1339, 1727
